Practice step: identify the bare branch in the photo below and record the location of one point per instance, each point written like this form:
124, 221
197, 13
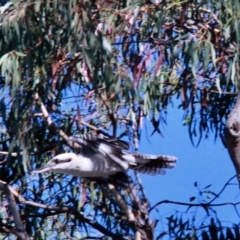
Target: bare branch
141, 186
19, 230
122, 204
137, 235
221, 191
14, 154
51, 123
208, 204
2, 162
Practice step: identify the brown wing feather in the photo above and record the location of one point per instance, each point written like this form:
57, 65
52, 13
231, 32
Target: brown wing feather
94, 140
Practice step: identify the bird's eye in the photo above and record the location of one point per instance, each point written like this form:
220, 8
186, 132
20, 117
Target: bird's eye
56, 161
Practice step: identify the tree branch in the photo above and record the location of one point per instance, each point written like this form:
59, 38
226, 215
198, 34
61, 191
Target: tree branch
221, 191
51, 124
194, 204
208, 204
122, 204
19, 230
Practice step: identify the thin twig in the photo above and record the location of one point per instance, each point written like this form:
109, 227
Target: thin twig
221, 191
141, 186
227, 93
2, 162
194, 204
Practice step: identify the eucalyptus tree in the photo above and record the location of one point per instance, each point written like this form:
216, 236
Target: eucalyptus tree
74, 67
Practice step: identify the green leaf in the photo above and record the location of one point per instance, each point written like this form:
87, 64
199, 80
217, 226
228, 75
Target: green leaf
218, 85
213, 53
208, 186
233, 74
37, 6
16, 28
20, 54
237, 27
117, 87
132, 6
110, 22
84, 17
211, 192
106, 45
192, 199
194, 71
3, 59
3, 110
93, 193
228, 77
206, 58
5, 7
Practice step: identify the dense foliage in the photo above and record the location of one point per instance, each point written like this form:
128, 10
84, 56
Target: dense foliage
78, 66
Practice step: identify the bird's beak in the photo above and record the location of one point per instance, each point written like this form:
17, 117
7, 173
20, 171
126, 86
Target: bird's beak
52, 163
42, 169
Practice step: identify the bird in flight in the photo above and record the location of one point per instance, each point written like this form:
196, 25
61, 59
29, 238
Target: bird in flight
103, 157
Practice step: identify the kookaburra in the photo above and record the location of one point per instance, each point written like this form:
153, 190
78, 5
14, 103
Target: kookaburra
102, 157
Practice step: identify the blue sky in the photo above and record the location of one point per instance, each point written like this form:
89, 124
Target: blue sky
207, 164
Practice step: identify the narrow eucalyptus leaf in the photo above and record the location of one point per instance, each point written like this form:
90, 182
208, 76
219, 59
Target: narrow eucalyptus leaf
218, 85
37, 6
16, 26
93, 193
206, 57
20, 54
213, 53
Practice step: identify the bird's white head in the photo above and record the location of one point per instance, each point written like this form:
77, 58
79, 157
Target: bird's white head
61, 163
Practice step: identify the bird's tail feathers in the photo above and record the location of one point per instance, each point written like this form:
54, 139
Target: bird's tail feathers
144, 158
154, 164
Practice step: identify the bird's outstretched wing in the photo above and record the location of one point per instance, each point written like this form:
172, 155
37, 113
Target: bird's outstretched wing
106, 148
93, 141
